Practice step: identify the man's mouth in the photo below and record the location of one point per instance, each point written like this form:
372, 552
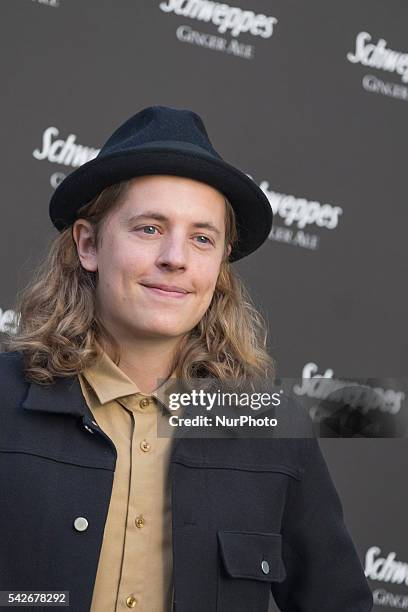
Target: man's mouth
165, 293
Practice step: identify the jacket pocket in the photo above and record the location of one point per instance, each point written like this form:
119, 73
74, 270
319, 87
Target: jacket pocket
248, 562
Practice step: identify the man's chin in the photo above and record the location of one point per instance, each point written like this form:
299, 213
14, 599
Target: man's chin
157, 330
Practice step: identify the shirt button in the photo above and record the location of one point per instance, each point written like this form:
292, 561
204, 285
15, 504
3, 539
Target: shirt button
265, 567
144, 402
81, 523
145, 446
140, 521
131, 601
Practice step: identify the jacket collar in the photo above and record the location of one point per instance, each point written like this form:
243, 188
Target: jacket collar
64, 396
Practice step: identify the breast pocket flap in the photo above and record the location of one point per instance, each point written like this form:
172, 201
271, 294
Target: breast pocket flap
250, 554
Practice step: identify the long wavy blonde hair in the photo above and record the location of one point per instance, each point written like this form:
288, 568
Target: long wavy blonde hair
60, 334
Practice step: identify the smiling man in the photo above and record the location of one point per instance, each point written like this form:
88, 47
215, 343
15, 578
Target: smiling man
137, 293
157, 262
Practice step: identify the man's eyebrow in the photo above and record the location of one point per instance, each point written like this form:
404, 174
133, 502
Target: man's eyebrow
152, 214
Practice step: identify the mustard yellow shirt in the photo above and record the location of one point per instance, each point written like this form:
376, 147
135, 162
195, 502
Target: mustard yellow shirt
135, 569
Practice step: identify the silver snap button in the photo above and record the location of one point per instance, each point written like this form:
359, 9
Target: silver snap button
265, 567
81, 523
89, 429
95, 423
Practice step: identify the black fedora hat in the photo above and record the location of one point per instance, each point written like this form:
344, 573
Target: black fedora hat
166, 140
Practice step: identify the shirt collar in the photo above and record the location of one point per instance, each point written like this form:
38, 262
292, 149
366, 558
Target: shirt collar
109, 382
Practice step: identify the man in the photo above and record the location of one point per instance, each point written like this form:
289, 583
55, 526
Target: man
169, 233
136, 292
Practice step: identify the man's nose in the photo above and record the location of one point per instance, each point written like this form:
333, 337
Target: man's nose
173, 253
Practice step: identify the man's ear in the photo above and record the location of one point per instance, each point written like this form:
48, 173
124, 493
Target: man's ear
83, 235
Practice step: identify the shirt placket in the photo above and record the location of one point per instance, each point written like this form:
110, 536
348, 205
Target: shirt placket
133, 581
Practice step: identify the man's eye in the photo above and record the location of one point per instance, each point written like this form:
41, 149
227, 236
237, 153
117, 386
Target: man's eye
208, 240
144, 227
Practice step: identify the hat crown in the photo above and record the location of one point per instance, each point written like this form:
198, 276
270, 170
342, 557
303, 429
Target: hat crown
159, 124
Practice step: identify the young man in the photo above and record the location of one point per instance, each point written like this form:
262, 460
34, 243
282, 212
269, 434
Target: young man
137, 291
157, 265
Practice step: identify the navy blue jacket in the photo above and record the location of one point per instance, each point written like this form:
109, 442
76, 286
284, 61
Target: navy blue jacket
250, 516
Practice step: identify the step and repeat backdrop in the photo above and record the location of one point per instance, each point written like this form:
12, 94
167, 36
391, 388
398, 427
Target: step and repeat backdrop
311, 100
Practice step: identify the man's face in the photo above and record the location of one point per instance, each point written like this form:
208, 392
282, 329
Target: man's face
169, 231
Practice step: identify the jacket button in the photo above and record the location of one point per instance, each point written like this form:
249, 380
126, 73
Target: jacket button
144, 402
81, 523
265, 567
131, 601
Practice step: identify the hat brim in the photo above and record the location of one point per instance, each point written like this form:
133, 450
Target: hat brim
251, 206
